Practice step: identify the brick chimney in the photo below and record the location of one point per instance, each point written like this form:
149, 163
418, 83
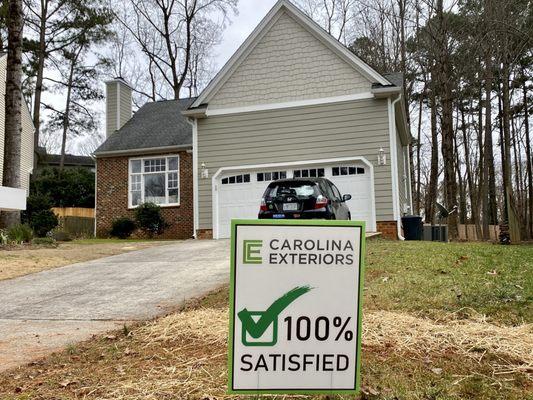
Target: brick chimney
118, 104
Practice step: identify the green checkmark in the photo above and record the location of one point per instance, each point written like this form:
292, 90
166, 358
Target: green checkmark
257, 328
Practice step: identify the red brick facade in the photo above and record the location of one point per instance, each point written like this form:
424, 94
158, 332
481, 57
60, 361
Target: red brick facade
112, 197
388, 229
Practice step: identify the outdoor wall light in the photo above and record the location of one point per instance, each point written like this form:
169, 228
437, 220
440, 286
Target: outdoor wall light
204, 172
382, 157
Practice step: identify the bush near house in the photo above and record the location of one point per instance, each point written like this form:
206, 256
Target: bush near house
149, 219
38, 214
122, 228
72, 187
19, 233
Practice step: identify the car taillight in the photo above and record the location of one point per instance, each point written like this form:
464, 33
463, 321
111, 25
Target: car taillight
263, 206
321, 202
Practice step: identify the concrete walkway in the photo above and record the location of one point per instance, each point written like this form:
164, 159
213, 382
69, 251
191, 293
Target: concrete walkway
46, 311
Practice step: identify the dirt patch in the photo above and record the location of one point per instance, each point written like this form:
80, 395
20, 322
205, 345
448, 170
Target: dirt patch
23, 260
183, 356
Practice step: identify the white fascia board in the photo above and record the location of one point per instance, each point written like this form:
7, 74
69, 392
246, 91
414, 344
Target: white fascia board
290, 104
262, 29
12, 199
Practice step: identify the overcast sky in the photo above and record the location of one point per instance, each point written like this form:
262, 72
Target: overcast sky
250, 14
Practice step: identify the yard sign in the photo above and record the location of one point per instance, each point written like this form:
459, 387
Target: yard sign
295, 318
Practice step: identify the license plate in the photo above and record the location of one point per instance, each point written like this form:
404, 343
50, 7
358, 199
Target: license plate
290, 206
278, 216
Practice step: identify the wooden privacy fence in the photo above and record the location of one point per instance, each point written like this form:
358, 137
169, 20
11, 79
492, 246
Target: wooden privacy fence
76, 221
468, 232
73, 212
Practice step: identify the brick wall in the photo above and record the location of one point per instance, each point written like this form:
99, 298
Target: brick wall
388, 229
112, 197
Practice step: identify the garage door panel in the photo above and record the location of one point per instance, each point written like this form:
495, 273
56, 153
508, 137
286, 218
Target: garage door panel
242, 200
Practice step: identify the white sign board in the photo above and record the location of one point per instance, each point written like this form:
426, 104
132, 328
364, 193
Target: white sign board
295, 323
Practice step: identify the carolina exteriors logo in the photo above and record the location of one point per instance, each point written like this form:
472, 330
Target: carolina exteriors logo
297, 251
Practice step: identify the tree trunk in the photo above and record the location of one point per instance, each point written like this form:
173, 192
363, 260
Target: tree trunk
431, 195
469, 180
40, 72
445, 92
66, 116
489, 180
418, 158
13, 98
506, 162
528, 160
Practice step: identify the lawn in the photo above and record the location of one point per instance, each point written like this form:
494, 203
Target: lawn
441, 322
27, 259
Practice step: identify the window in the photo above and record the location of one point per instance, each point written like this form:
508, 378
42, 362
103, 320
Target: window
155, 180
309, 173
271, 176
230, 180
347, 170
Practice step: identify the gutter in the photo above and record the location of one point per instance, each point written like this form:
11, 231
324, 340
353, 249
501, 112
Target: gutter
147, 150
395, 177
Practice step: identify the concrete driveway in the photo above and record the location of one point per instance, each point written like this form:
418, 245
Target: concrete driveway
46, 311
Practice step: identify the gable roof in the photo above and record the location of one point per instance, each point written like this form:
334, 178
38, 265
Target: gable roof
264, 26
155, 125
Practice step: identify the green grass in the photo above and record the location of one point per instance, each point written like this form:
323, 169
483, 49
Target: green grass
428, 278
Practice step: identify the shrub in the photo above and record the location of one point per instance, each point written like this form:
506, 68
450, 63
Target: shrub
149, 219
122, 228
19, 233
44, 241
72, 187
39, 215
4, 239
61, 236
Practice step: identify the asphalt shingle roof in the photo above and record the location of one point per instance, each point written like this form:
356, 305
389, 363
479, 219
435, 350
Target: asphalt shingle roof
156, 124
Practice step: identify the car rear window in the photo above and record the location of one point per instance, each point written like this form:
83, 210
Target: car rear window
302, 190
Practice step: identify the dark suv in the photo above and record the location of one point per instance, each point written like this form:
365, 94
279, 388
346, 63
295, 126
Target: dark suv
307, 198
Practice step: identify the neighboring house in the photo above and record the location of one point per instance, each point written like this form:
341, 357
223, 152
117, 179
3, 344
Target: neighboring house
145, 158
15, 198
291, 102
71, 161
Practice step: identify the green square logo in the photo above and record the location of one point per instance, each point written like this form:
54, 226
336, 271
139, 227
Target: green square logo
250, 252
271, 340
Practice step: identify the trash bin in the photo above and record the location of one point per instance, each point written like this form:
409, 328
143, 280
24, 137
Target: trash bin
412, 227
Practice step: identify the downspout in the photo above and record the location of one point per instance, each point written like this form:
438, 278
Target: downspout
394, 161
194, 123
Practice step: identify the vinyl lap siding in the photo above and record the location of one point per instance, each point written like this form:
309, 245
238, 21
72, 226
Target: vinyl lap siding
402, 194
346, 129
111, 109
26, 161
125, 105
287, 64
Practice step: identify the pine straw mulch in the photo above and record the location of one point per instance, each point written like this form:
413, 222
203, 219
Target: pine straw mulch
183, 355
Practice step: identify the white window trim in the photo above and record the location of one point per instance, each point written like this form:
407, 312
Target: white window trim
142, 173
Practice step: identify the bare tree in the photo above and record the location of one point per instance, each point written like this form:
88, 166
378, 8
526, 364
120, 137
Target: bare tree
173, 34
13, 99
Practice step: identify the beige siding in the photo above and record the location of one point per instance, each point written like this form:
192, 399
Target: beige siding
111, 109
26, 161
327, 131
125, 105
27, 155
288, 64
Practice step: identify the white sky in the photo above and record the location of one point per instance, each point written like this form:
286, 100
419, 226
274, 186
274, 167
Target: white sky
251, 12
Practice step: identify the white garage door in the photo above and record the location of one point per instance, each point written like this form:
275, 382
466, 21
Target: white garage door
239, 192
